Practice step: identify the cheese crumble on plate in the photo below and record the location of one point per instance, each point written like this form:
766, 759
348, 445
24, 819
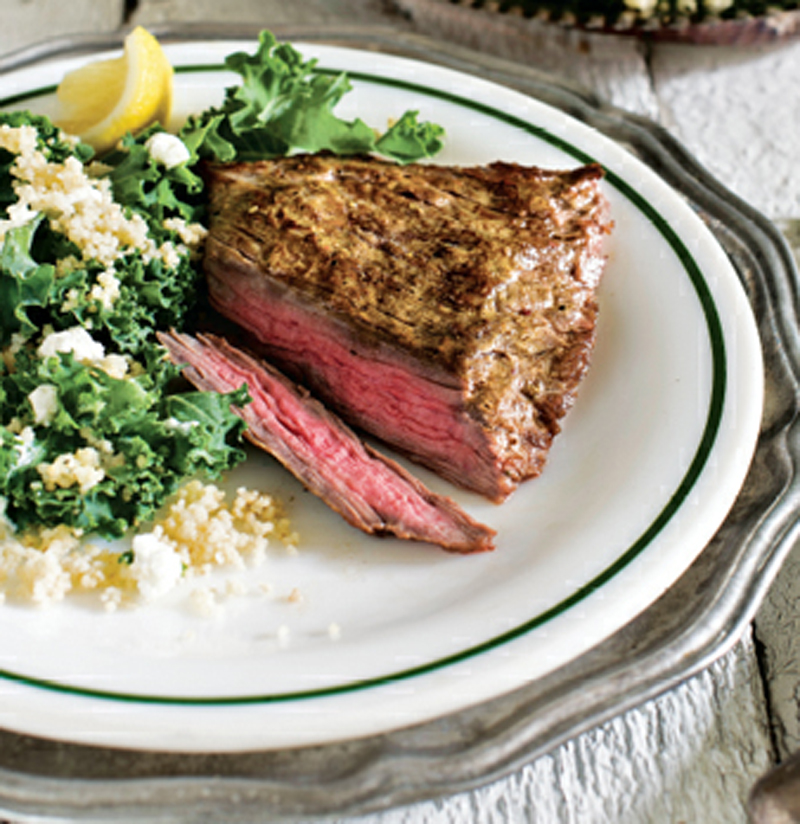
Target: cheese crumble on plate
198, 532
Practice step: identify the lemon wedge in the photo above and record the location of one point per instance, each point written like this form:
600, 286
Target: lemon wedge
102, 101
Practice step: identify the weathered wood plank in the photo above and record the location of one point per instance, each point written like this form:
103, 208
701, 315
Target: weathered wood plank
738, 111
31, 21
266, 13
691, 755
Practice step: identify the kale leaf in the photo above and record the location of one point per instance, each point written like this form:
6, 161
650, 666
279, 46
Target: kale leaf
284, 104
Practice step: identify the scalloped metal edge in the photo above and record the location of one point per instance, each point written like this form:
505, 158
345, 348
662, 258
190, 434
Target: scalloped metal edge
673, 639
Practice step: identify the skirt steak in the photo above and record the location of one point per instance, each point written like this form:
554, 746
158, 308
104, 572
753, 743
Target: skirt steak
369, 490
449, 311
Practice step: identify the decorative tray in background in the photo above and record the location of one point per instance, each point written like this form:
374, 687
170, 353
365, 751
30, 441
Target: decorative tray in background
744, 24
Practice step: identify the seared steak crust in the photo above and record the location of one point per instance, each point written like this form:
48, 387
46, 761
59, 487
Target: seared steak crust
450, 311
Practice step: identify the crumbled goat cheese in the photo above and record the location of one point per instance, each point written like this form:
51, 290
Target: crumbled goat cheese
18, 140
75, 340
114, 365
157, 567
180, 426
72, 302
192, 234
85, 349
198, 531
103, 446
717, 6
167, 149
44, 400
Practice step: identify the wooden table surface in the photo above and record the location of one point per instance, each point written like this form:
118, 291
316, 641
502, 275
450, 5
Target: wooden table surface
692, 754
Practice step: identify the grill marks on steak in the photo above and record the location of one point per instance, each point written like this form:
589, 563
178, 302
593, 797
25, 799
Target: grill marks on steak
368, 489
449, 311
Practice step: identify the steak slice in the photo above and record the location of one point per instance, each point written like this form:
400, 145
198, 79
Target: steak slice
368, 489
449, 311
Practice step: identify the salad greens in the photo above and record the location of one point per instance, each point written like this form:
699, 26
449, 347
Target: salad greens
148, 440
150, 188
120, 419
96, 429
284, 105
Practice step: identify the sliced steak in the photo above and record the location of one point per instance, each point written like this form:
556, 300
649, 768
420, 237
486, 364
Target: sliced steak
368, 489
449, 311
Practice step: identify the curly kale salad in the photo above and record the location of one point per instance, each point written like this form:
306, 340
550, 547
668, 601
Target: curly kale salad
99, 440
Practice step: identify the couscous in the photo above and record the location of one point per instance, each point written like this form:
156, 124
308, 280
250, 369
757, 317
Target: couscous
89, 280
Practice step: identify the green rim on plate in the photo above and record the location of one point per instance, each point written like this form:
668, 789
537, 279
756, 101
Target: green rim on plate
716, 404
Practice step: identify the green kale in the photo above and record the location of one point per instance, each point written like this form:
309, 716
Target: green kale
145, 186
148, 441
24, 283
152, 295
283, 105
144, 434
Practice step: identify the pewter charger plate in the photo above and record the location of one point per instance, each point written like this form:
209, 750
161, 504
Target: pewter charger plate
424, 709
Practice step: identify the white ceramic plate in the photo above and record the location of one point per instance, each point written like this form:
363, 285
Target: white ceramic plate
650, 460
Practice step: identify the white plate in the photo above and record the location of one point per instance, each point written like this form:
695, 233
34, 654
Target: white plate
649, 462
